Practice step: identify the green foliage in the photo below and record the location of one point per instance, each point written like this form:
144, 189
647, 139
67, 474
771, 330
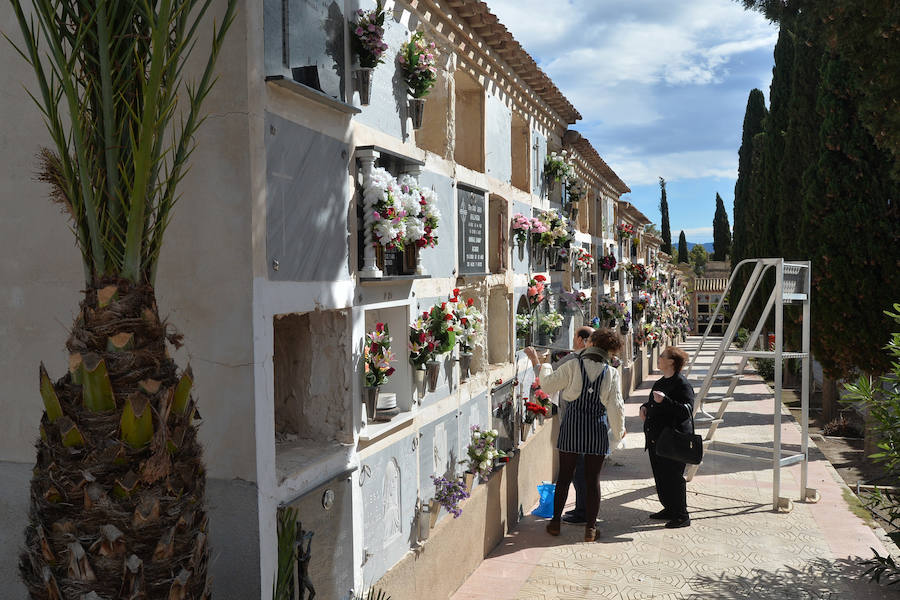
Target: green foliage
721, 231
698, 259
765, 367
881, 397
682, 248
850, 233
110, 78
664, 216
288, 532
741, 337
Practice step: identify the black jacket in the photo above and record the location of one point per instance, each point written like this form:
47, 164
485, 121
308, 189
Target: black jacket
674, 411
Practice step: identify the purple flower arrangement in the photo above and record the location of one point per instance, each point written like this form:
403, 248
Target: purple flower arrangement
449, 493
368, 36
418, 61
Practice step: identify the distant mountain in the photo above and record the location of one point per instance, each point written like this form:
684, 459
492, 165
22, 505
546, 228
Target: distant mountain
707, 245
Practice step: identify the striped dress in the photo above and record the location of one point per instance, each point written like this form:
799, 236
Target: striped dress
584, 428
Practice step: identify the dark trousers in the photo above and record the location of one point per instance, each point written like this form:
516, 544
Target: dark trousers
670, 484
592, 465
578, 484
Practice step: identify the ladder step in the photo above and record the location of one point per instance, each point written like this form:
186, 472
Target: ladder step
766, 354
793, 298
726, 376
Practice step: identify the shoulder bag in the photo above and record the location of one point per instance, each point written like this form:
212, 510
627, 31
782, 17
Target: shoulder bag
683, 447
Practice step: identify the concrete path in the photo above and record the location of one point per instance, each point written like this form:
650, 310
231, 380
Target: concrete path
736, 547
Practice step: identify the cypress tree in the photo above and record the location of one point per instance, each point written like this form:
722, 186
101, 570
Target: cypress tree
721, 231
775, 195
664, 216
745, 194
801, 138
850, 227
682, 248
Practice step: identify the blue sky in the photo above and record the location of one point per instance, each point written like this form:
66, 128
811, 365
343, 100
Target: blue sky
661, 86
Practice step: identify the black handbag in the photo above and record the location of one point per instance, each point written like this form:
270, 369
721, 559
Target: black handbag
683, 447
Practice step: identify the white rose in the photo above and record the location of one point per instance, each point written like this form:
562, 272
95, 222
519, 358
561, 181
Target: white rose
494, 432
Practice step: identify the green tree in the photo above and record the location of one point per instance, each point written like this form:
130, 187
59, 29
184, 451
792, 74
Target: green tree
745, 190
117, 491
698, 259
721, 231
664, 218
850, 230
682, 248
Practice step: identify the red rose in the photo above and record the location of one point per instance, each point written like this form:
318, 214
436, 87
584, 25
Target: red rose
456, 291
470, 302
448, 317
449, 329
540, 278
443, 305
379, 327
422, 337
390, 371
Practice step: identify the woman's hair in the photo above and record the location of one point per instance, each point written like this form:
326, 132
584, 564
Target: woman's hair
676, 355
608, 340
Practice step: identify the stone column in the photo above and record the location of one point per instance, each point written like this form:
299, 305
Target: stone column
367, 160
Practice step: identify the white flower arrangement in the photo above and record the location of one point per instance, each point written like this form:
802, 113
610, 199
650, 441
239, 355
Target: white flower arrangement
400, 212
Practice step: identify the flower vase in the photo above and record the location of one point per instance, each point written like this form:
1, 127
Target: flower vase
432, 371
526, 429
540, 419
465, 361
543, 338
371, 402
520, 246
552, 256
419, 376
364, 84
538, 258
434, 511
470, 480
417, 111
424, 522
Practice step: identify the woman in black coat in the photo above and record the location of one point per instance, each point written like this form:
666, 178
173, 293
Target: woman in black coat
671, 404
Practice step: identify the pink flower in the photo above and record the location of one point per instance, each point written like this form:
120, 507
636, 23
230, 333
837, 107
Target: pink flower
358, 31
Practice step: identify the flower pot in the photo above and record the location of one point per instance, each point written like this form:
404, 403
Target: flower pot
465, 360
419, 376
371, 402
364, 84
417, 111
432, 371
470, 481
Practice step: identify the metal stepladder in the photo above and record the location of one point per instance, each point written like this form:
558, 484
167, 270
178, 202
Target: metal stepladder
792, 286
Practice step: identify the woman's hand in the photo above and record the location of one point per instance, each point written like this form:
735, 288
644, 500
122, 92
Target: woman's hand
643, 413
531, 353
658, 397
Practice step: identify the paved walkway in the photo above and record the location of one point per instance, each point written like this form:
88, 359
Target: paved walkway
736, 547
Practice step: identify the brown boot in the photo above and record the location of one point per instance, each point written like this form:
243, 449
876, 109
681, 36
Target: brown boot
590, 534
553, 527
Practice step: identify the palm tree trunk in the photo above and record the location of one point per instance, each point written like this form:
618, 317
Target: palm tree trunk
117, 492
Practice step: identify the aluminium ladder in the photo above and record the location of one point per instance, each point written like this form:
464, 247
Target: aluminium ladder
792, 285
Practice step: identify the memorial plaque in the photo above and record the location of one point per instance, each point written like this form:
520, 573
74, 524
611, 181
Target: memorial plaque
472, 238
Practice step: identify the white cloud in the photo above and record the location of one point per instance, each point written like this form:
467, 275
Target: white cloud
645, 170
698, 232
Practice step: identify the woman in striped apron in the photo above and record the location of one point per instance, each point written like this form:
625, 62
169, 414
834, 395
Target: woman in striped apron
594, 421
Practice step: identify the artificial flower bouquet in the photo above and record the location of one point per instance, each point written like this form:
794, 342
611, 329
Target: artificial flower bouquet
470, 322
641, 302
378, 356
419, 65
609, 310
521, 227
625, 231
582, 259
482, 451
535, 291
550, 322
449, 493
652, 334
608, 262
442, 325
558, 166
538, 395
367, 36
638, 273
533, 410
422, 215
422, 345
523, 325
384, 213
